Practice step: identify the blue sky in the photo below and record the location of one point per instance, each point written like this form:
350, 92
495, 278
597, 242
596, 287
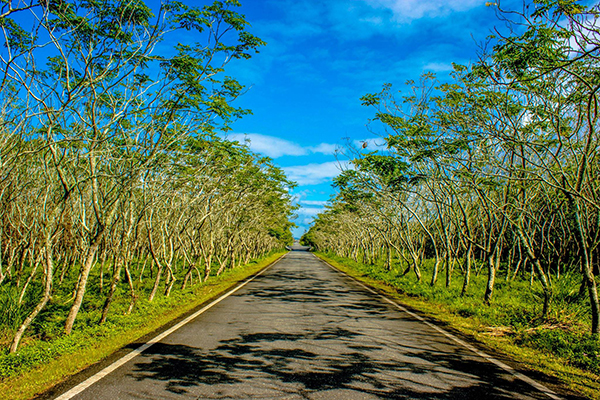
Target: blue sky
322, 56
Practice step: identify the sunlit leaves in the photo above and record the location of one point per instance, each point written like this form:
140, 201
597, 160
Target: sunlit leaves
17, 39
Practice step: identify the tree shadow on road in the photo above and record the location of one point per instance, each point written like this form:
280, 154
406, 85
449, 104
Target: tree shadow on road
307, 363
280, 286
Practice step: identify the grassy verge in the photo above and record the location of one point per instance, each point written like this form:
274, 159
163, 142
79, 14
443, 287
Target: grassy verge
42, 364
558, 347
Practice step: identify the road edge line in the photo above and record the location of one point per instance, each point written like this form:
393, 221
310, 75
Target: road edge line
74, 391
545, 390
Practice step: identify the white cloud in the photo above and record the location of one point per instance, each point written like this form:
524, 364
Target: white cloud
274, 147
313, 202
307, 221
270, 146
438, 67
309, 211
409, 10
324, 148
302, 195
314, 174
303, 224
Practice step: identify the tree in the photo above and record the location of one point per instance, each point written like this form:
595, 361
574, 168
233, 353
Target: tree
113, 138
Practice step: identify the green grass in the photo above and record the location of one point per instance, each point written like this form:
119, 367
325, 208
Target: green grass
45, 360
560, 346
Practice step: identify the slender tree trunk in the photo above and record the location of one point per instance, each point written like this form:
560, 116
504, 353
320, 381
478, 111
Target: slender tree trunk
159, 267
538, 267
489, 288
388, 258
188, 274
222, 264
40, 306
111, 292
131, 290
2, 275
141, 278
156, 282
588, 273
448, 258
448, 270
207, 267
102, 277
87, 267
22, 260
171, 280
519, 263
436, 267
416, 260
531, 275
509, 264
467, 278
65, 267
24, 289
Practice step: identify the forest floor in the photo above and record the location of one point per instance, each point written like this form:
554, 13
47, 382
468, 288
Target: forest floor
559, 347
40, 364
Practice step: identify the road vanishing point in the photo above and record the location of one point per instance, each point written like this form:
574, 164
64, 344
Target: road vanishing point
303, 330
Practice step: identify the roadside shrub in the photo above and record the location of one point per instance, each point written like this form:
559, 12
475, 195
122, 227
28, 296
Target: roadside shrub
580, 349
11, 312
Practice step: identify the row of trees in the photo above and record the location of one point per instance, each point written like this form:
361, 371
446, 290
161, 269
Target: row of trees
497, 168
109, 160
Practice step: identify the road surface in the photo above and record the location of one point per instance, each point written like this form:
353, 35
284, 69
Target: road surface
302, 330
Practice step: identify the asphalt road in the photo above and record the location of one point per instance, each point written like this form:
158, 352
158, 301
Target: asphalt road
305, 331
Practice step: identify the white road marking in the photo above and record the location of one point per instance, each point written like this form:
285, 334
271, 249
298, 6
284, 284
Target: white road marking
95, 378
548, 392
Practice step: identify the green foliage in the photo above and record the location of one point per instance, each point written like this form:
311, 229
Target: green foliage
11, 312
17, 39
579, 349
391, 170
